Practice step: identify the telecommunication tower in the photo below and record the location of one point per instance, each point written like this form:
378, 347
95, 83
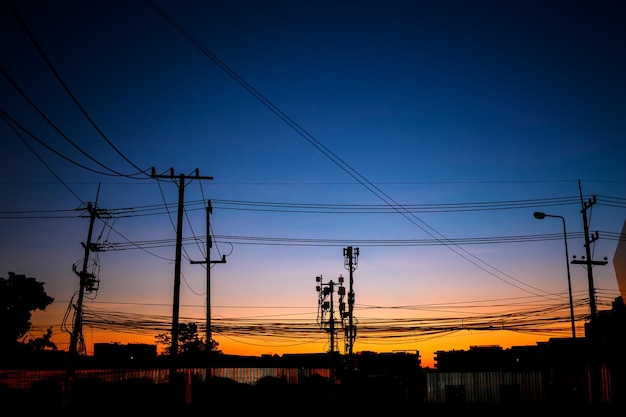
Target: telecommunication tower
351, 258
326, 304
326, 308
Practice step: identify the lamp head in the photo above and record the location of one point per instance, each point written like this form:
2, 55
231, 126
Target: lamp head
539, 215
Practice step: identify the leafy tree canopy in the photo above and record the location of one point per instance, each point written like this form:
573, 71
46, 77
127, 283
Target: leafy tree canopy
19, 296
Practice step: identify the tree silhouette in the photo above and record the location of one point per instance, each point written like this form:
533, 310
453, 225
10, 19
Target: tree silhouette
42, 343
189, 341
19, 296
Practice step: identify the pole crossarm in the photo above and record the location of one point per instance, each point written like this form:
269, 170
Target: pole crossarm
221, 261
585, 262
171, 175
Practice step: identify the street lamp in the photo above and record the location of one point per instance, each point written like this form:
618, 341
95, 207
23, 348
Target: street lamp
539, 215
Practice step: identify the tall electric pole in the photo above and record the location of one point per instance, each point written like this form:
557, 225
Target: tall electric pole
591, 333
177, 261
587, 260
82, 277
87, 283
208, 262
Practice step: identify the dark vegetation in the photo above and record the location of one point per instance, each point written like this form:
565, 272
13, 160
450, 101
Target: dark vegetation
19, 297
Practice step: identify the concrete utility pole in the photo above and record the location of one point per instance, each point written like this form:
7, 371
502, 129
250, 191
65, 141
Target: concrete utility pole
587, 259
82, 275
591, 333
179, 244
208, 262
87, 283
84, 279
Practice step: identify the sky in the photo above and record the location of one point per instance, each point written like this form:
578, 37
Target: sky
423, 133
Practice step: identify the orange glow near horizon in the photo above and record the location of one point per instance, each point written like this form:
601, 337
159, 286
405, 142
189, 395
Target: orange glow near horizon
462, 340
250, 328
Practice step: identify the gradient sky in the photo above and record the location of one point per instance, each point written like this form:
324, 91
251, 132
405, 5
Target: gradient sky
425, 133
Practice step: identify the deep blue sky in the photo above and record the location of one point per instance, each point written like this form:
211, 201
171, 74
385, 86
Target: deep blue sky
355, 107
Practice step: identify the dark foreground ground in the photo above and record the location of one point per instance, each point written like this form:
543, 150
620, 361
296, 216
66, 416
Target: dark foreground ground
270, 396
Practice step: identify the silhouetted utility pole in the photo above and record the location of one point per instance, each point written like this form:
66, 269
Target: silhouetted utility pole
208, 262
82, 276
87, 283
590, 263
595, 377
179, 244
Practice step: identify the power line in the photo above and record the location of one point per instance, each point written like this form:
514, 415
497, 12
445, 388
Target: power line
6, 118
69, 92
545, 318
334, 208
54, 126
351, 171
